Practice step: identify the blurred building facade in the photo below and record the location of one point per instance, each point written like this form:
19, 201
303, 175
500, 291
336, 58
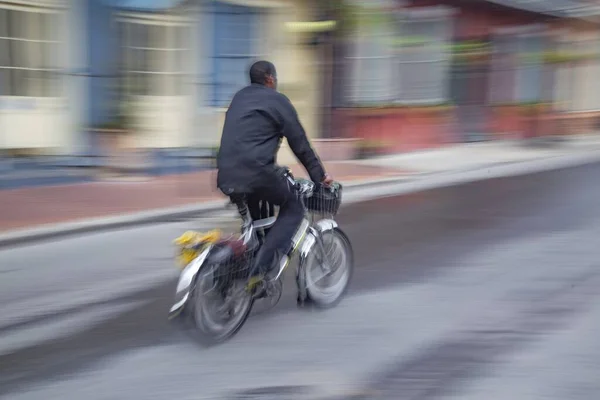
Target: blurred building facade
71, 69
33, 54
421, 73
403, 74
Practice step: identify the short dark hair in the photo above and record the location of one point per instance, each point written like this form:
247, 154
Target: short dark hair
260, 70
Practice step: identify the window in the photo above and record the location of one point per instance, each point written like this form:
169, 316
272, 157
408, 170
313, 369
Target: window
401, 59
530, 69
518, 71
372, 61
236, 46
582, 80
503, 67
154, 57
423, 60
29, 52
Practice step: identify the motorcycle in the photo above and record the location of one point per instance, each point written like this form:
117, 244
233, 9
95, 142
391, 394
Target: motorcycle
215, 292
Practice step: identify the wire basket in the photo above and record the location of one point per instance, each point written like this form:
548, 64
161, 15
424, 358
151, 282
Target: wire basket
233, 260
325, 200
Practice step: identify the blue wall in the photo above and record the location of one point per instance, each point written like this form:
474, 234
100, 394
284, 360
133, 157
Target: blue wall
102, 60
235, 39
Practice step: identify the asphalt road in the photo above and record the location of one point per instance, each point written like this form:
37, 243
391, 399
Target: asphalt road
485, 290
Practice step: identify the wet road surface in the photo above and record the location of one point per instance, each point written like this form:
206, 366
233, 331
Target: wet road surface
485, 290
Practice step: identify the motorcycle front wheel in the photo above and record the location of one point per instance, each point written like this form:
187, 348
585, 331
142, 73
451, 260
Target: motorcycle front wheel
325, 287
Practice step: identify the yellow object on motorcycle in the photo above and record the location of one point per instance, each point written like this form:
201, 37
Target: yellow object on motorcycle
192, 243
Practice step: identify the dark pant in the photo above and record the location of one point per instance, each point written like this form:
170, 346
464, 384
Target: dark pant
278, 241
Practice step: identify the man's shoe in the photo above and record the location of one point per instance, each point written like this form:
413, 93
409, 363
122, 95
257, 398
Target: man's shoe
258, 282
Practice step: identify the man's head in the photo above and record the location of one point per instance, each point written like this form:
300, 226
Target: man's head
263, 73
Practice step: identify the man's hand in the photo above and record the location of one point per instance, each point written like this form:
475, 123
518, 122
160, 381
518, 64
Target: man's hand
328, 180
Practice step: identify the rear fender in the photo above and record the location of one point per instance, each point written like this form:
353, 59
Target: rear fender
186, 279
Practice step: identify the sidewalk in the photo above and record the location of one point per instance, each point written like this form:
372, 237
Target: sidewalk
471, 156
48, 210
33, 207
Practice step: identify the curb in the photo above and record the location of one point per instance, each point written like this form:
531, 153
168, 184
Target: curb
24, 236
297, 392
372, 188
499, 170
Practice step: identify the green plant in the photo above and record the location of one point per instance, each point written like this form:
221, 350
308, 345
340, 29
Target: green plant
409, 41
529, 107
352, 16
469, 46
117, 123
372, 144
119, 106
563, 57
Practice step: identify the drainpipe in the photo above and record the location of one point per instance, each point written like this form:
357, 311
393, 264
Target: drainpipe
327, 54
325, 41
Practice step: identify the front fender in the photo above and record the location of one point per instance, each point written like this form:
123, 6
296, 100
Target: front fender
186, 278
322, 226
310, 241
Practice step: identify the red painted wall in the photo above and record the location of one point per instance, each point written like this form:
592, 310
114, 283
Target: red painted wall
406, 130
400, 130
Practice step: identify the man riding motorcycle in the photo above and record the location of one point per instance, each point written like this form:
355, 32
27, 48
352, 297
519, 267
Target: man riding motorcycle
257, 120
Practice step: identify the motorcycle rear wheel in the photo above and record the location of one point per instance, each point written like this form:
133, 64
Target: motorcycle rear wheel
218, 310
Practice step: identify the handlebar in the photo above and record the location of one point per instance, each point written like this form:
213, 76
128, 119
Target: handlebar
305, 187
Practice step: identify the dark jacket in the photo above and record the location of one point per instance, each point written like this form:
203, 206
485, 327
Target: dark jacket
256, 122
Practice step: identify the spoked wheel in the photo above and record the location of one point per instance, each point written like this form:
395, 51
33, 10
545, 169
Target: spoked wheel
219, 309
327, 275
